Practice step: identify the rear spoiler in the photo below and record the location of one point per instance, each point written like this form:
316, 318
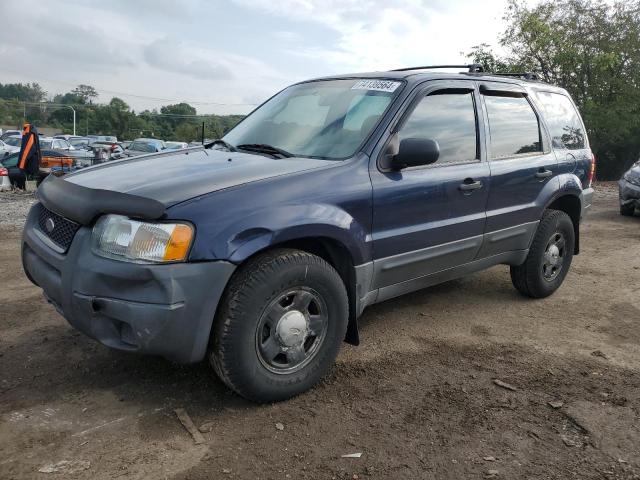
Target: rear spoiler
83, 205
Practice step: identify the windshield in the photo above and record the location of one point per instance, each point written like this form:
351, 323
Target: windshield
46, 143
326, 119
13, 141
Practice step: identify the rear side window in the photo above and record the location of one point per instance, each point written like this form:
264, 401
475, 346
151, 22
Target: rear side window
449, 119
513, 126
563, 120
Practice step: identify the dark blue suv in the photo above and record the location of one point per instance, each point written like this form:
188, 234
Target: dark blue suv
260, 250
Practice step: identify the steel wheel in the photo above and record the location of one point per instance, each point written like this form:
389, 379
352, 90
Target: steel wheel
291, 330
553, 259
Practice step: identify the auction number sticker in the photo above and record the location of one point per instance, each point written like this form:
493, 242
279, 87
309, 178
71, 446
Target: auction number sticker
377, 85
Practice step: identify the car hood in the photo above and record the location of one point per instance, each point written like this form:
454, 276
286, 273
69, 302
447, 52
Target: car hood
176, 177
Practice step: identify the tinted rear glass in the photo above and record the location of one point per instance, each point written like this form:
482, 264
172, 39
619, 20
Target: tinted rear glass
142, 147
513, 126
563, 121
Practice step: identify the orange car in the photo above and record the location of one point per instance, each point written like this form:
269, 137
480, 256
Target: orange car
55, 161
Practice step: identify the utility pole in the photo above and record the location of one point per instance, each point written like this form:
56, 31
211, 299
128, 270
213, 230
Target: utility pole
74, 118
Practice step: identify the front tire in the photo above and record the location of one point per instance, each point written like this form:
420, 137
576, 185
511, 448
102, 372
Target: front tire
549, 257
279, 326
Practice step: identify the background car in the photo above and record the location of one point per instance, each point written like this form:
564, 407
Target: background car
76, 141
105, 152
102, 138
58, 144
629, 190
10, 133
13, 140
52, 162
176, 145
5, 184
6, 149
141, 146
61, 145
64, 136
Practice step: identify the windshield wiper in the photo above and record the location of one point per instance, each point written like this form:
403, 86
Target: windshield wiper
224, 143
264, 148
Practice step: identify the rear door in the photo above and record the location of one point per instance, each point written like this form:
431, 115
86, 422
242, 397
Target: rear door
522, 166
430, 218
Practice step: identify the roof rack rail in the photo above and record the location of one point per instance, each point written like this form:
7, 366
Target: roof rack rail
525, 75
472, 67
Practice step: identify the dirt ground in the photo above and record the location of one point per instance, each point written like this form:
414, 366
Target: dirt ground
417, 398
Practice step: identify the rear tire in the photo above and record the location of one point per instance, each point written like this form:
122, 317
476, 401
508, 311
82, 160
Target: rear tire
549, 257
280, 325
627, 210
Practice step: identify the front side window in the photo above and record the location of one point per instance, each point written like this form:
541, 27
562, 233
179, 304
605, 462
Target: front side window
325, 119
513, 126
563, 120
450, 120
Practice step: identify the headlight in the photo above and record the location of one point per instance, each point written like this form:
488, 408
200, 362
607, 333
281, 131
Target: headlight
121, 238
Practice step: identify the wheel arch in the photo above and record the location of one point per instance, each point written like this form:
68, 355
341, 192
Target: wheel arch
570, 204
337, 254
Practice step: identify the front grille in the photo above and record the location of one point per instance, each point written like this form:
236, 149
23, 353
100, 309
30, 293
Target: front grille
63, 230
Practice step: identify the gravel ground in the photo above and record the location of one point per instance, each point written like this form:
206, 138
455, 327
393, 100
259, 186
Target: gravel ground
418, 398
14, 208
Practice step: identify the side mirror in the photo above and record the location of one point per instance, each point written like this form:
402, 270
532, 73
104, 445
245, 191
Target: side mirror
413, 152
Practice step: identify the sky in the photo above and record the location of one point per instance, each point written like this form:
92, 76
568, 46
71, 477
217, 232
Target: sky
226, 56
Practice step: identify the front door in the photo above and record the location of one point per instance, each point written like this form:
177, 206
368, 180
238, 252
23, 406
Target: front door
430, 218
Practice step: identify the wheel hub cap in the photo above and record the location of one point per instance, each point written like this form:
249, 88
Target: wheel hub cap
553, 255
292, 329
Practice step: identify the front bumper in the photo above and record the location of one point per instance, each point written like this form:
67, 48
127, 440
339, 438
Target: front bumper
164, 310
629, 193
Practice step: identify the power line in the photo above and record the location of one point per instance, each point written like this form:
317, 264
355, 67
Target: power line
90, 105
158, 99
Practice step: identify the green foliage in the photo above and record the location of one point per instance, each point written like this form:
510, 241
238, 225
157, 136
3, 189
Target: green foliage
174, 122
22, 92
591, 48
85, 92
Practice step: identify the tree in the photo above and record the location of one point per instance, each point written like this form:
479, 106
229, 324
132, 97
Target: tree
85, 92
22, 92
592, 49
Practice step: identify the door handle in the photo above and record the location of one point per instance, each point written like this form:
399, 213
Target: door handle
470, 185
543, 173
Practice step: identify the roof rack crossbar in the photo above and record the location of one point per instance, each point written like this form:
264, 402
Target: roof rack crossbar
472, 67
525, 75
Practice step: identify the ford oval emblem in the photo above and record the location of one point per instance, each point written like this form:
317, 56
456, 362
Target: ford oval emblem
49, 224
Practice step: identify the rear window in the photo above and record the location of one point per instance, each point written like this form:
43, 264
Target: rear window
513, 126
563, 121
142, 147
9, 161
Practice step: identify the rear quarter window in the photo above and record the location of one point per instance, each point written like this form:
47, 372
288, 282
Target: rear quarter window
513, 126
563, 121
